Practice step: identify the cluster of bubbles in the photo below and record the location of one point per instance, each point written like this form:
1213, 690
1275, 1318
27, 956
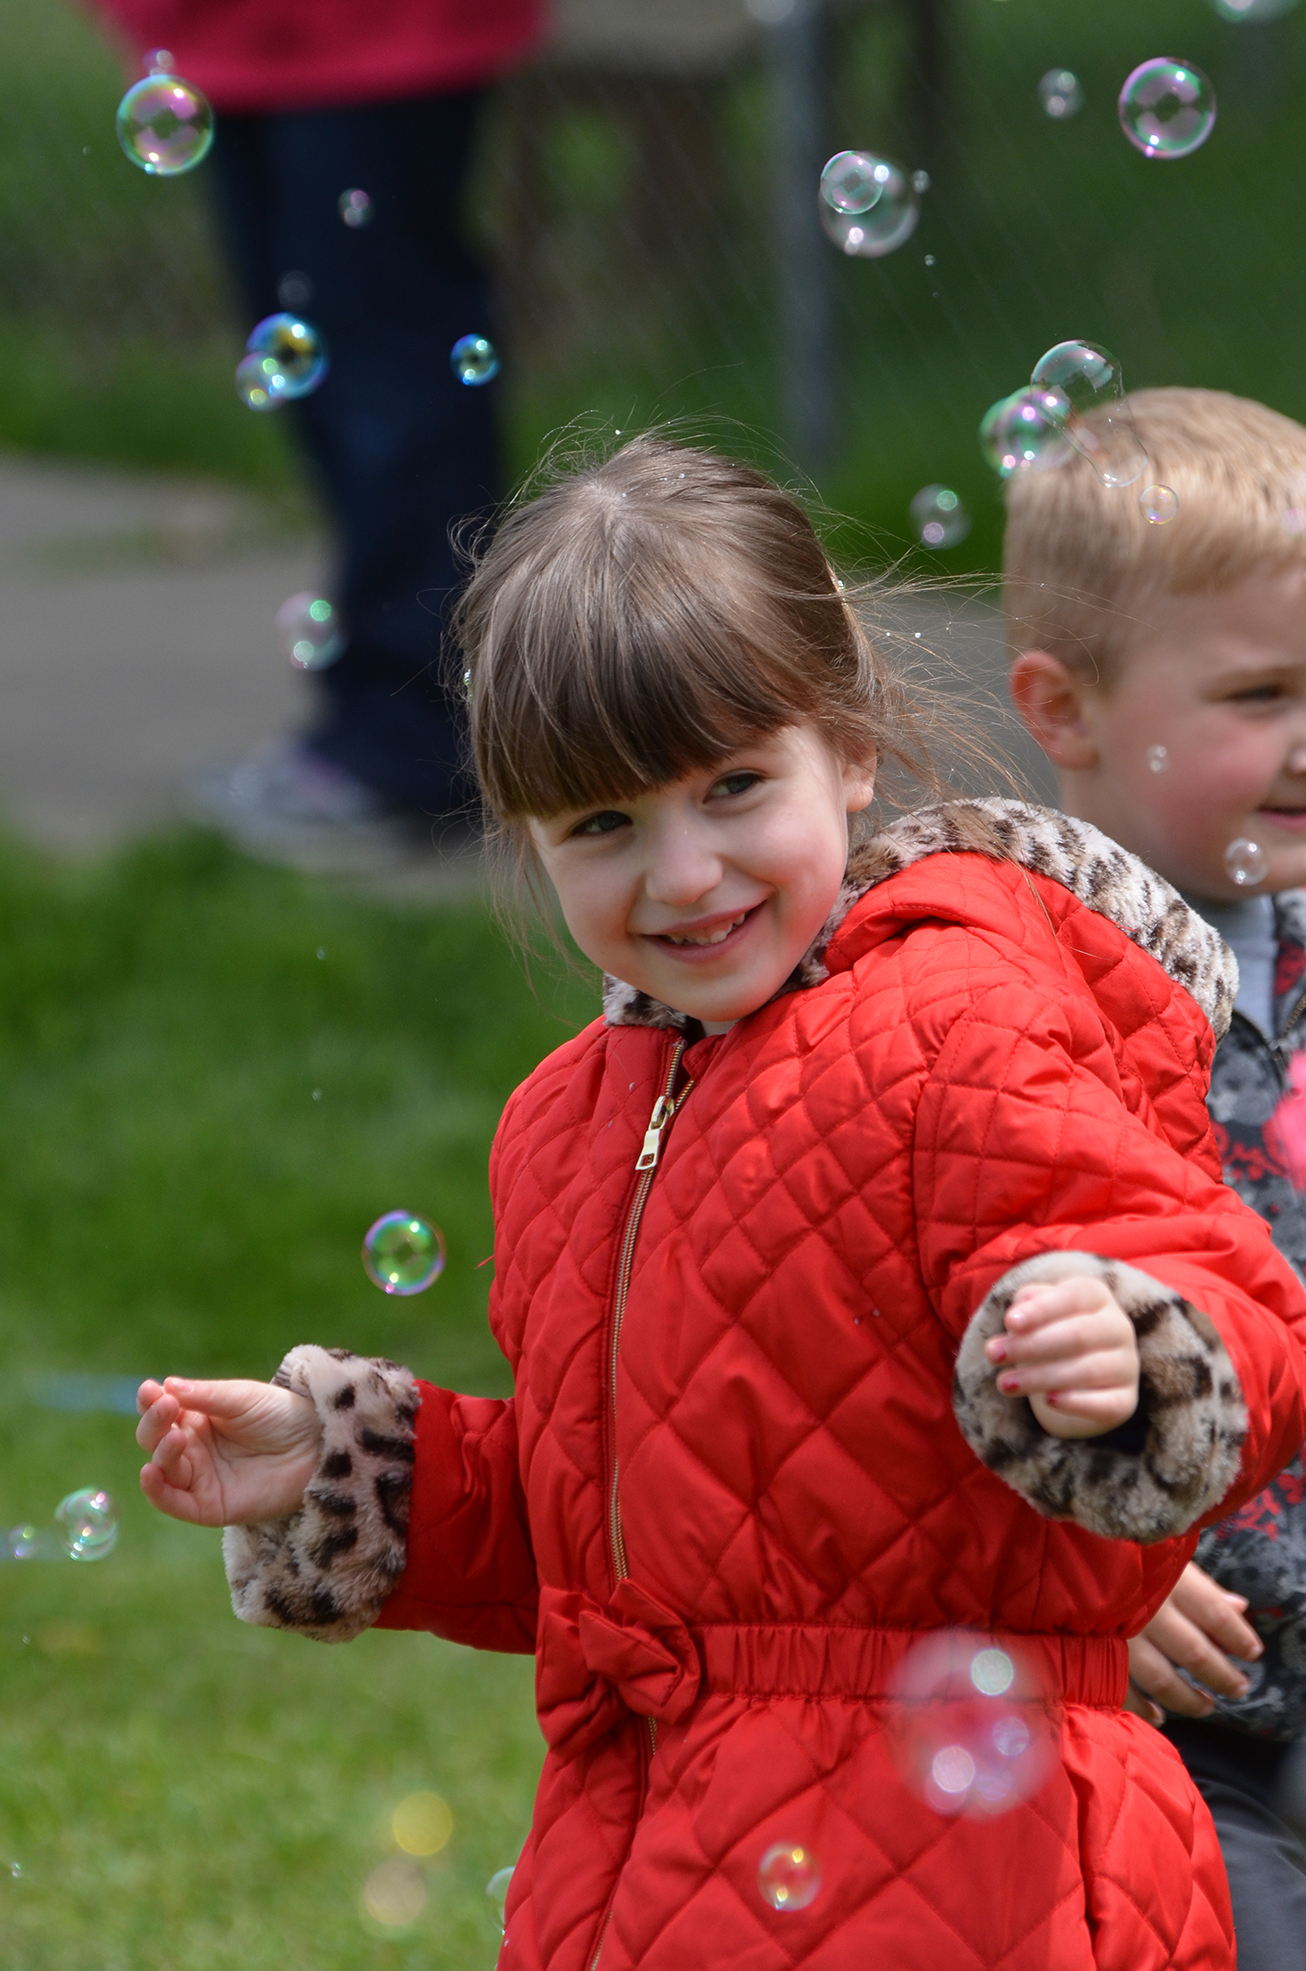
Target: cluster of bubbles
394, 1894
474, 360
1074, 402
310, 630
1061, 93
1167, 108
164, 124
970, 1728
286, 358
939, 517
870, 204
85, 1527
355, 208
402, 1254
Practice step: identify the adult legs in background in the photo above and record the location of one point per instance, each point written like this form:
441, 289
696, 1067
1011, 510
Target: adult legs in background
401, 448
1239, 1777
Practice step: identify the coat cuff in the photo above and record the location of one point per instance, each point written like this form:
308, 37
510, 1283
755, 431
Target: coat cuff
1190, 1408
326, 1569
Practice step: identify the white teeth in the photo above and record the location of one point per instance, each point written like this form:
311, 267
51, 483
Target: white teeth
709, 937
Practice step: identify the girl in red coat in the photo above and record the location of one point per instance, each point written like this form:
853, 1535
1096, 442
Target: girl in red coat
865, 1270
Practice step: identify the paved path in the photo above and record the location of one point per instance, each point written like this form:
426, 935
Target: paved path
136, 644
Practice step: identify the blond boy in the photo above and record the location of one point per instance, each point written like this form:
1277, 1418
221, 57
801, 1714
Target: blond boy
1162, 669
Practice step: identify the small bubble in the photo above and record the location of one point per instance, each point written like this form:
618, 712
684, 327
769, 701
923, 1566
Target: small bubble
920, 182
1167, 108
321, 951
87, 1523
1026, 432
317, 1094
159, 61
1060, 93
395, 1893
929, 260
295, 289
294, 348
15, 1868
940, 519
310, 631
165, 125
1095, 418
889, 222
853, 181
403, 1254
474, 360
1246, 863
1158, 505
970, 1729
356, 208
497, 1890
422, 1823
1158, 758
788, 1876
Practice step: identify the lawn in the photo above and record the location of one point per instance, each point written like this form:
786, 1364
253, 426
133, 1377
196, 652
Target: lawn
178, 1792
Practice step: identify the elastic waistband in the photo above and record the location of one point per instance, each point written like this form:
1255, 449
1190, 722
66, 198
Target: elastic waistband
812, 1660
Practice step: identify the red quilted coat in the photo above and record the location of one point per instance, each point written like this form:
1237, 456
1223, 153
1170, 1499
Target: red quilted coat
743, 1282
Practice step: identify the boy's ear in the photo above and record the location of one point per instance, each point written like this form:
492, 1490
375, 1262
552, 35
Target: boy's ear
1050, 700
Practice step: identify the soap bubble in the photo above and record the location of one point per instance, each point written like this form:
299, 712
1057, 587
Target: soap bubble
403, 1254
1158, 504
1167, 108
395, 1893
1060, 93
1026, 432
853, 181
309, 631
295, 349
891, 220
1253, 10
789, 1876
940, 518
27, 1542
422, 1823
87, 1523
159, 61
356, 208
260, 385
295, 289
920, 181
1098, 423
1158, 758
497, 1890
165, 126
474, 359
1246, 863
970, 1729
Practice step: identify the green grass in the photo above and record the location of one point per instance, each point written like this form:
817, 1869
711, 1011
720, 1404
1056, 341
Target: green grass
179, 1791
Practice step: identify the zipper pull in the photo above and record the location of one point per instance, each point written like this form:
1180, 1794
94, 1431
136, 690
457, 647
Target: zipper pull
657, 1122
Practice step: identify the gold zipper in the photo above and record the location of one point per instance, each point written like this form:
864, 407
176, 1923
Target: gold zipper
646, 1164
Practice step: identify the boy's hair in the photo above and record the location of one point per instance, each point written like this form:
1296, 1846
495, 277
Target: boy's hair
646, 615
1081, 561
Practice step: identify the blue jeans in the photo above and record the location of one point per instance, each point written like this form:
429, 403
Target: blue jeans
401, 448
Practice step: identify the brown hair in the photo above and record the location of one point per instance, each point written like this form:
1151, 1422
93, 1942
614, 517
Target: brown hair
1081, 562
648, 613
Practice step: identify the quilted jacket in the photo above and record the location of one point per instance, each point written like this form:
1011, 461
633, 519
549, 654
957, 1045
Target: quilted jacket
755, 1450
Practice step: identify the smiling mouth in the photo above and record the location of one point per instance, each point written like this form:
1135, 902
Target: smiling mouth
716, 936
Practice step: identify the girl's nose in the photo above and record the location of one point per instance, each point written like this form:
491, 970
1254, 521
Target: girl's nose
681, 868
1297, 760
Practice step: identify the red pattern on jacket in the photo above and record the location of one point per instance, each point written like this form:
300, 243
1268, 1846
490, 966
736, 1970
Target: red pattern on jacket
989, 1071
268, 55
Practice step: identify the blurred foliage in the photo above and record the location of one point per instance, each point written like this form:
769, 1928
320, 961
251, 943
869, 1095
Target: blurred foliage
631, 234
179, 1793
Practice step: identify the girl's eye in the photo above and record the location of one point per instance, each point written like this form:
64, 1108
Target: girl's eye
1261, 694
602, 824
736, 783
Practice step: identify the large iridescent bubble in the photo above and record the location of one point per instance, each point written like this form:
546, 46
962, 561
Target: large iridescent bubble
1098, 421
970, 1727
402, 1254
1167, 108
165, 125
297, 349
1025, 432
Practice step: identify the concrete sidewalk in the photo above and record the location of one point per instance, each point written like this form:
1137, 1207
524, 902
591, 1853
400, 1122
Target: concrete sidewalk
136, 645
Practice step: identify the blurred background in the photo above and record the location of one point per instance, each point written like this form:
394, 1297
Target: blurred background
219, 1067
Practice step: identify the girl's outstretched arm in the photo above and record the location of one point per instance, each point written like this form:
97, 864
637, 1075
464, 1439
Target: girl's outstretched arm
226, 1453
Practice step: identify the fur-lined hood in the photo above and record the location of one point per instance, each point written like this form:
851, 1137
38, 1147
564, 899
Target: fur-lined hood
1097, 871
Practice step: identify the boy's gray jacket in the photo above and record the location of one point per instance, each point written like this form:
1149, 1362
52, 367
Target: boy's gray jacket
1260, 1551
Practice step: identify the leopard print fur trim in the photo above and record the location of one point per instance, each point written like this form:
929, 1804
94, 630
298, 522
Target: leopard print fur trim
1191, 1412
326, 1569
1096, 870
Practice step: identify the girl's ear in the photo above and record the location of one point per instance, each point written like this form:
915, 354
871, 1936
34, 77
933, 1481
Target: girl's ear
1049, 697
858, 785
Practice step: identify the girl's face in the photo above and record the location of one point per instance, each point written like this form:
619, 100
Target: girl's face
707, 892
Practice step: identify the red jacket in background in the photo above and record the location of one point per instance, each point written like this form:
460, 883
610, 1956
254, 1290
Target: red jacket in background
268, 55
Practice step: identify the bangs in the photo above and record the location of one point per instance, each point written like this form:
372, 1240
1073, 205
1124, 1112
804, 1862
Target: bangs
645, 633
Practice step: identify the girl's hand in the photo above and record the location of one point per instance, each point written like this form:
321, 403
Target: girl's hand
1070, 1348
226, 1453
1200, 1628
